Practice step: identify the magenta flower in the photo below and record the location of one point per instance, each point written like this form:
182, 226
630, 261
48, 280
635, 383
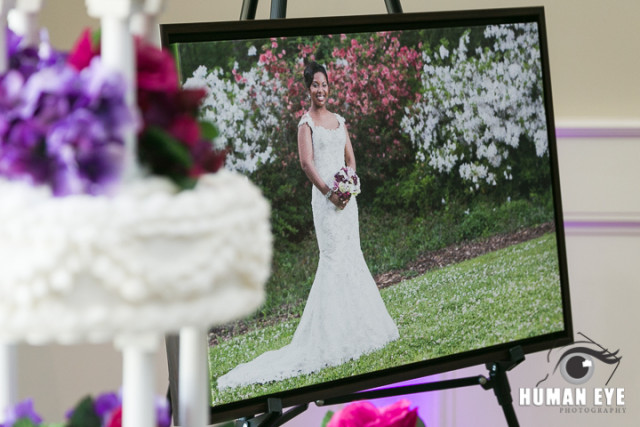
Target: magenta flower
156, 69
83, 51
365, 414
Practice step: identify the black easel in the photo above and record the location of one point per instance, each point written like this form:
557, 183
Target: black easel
274, 416
279, 8
497, 380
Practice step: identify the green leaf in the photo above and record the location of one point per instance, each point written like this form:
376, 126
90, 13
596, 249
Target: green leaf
160, 145
327, 418
95, 37
166, 156
209, 130
420, 423
24, 422
84, 415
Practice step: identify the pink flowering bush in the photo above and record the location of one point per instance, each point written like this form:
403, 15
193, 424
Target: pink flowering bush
365, 414
372, 79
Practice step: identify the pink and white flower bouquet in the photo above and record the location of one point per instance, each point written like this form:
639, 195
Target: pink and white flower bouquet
346, 183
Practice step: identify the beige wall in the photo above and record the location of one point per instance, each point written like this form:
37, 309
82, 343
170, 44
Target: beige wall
595, 63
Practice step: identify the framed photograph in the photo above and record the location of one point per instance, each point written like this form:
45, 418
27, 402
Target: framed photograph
441, 243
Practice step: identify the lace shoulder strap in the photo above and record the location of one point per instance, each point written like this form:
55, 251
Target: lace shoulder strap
340, 118
306, 119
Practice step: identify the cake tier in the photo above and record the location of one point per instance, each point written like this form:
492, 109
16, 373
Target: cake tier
150, 259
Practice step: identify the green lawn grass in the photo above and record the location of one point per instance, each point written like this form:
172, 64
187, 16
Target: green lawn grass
502, 296
390, 240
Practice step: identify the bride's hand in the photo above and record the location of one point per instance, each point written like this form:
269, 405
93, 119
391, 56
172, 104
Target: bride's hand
336, 200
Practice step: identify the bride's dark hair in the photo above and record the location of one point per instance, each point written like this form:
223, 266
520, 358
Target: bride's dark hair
310, 70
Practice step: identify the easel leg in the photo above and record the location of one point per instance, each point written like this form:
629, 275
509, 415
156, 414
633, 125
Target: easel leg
278, 9
499, 382
502, 390
393, 6
248, 10
173, 361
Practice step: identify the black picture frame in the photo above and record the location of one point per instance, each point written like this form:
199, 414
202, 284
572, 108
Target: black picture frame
210, 32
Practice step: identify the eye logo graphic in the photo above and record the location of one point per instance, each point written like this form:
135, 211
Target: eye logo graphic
577, 363
583, 361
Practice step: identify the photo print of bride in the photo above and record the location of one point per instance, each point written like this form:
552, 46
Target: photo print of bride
411, 192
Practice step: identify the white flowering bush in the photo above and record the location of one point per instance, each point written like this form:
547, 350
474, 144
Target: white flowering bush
245, 108
477, 110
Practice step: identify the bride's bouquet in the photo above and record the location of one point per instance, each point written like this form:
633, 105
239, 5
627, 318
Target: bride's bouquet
346, 183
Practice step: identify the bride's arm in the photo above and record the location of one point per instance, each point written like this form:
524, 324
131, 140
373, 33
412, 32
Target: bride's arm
349, 157
305, 153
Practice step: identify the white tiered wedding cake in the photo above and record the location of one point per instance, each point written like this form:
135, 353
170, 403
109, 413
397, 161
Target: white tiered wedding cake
152, 257
148, 259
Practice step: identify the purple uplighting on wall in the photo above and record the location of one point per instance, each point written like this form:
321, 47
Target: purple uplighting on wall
598, 132
603, 224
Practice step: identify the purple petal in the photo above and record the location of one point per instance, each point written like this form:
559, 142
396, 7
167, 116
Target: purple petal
86, 159
13, 42
11, 86
23, 409
163, 414
105, 91
106, 403
46, 92
22, 153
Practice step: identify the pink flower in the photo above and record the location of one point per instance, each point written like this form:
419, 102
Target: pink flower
365, 414
186, 129
83, 51
116, 418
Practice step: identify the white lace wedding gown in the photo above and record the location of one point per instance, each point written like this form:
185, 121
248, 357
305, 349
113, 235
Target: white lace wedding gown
345, 316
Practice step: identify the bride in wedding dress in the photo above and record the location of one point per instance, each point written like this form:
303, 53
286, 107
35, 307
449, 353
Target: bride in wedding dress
345, 316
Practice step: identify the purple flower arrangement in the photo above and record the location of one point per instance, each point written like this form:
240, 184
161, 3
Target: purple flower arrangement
23, 412
60, 126
103, 411
64, 118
